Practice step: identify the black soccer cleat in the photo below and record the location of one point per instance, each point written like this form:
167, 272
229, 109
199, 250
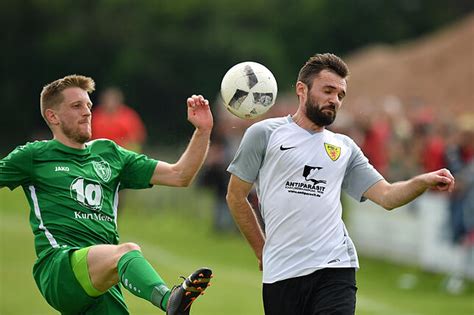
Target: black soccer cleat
183, 296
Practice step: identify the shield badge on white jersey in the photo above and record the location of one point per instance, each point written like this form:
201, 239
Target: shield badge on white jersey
333, 151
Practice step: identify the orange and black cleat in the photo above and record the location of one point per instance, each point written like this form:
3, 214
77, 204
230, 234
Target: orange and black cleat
184, 295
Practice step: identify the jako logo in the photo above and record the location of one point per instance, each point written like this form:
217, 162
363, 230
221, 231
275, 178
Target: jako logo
61, 169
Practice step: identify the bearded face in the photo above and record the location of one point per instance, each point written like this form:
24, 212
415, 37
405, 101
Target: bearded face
320, 115
74, 116
323, 97
79, 134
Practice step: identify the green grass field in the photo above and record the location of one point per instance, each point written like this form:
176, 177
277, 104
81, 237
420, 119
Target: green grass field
174, 230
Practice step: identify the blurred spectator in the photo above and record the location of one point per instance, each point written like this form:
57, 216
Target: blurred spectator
227, 132
433, 155
215, 177
377, 132
460, 160
116, 121
402, 154
431, 137
403, 163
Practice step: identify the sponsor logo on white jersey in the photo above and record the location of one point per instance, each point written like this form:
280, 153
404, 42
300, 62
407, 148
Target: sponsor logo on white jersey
311, 186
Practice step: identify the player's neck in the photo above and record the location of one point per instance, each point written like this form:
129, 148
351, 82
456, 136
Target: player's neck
301, 120
69, 142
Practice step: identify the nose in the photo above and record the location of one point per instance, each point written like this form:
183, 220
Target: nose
87, 110
335, 101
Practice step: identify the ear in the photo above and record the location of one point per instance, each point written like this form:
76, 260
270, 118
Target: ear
51, 116
301, 91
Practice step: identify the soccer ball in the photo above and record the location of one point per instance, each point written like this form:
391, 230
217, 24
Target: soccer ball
248, 90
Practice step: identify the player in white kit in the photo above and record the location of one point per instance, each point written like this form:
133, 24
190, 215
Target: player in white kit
299, 169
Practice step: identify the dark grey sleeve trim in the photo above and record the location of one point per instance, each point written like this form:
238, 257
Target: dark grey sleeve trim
360, 174
251, 152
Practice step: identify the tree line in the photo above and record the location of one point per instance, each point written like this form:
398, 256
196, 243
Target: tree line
159, 52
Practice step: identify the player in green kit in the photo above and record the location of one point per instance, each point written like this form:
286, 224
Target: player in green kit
72, 188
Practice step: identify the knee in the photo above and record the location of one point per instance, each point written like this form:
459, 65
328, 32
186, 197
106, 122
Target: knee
128, 247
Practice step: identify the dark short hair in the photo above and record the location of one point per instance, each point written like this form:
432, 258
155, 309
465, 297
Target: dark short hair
320, 62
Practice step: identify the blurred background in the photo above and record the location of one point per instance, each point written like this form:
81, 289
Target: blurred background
410, 106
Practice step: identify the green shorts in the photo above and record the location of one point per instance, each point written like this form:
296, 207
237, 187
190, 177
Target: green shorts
58, 284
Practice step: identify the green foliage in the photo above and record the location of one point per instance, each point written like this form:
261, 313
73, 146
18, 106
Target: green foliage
173, 227
160, 52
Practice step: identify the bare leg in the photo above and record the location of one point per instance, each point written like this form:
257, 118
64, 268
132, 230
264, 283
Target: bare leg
102, 261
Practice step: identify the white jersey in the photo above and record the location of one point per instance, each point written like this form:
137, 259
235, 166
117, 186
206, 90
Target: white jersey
299, 176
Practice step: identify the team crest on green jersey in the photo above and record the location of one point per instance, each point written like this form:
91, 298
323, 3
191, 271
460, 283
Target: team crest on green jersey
102, 170
333, 151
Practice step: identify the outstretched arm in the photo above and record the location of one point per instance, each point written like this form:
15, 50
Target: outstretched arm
182, 173
391, 196
244, 215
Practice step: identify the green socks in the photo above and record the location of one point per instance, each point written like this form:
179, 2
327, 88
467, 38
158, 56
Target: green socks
140, 278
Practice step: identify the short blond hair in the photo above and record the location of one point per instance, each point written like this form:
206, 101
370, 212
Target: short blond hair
51, 95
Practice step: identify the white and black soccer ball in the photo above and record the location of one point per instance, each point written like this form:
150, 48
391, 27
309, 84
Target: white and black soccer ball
248, 90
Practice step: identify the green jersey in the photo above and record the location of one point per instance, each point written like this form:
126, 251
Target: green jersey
73, 193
